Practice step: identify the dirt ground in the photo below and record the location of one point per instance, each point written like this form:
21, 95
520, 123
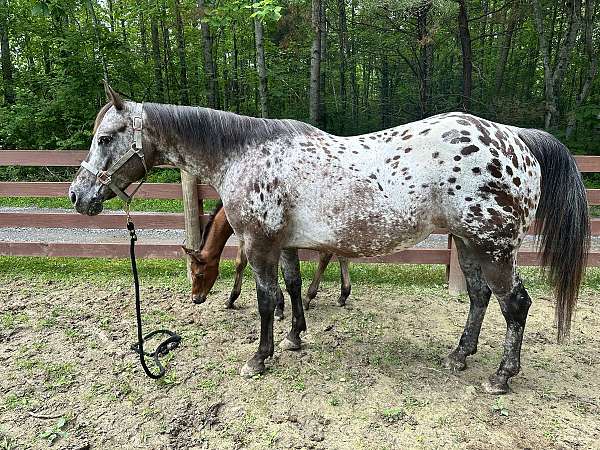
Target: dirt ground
369, 376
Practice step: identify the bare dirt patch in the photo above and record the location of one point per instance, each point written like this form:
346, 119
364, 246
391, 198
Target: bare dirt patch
368, 376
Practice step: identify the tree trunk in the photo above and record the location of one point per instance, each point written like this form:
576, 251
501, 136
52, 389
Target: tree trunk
353, 80
592, 53
553, 76
323, 79
184, 93
384, 93
111, 16
7, 67
426, 57
315, 64
143, 42
261, 67
167, 57
467, 54
343, 39
158, 78
90, 5
236, 70
505, 48
209, 66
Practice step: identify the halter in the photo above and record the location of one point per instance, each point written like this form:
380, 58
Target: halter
105, 176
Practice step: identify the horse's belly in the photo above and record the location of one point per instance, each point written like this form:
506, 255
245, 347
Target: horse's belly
362, 234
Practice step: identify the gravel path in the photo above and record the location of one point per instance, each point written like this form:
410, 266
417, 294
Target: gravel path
87, 235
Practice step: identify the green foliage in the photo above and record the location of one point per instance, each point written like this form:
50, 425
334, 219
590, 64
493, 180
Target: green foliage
60, 54
55, 432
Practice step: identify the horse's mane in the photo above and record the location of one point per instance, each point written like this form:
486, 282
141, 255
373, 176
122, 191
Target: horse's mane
209, 222
100, 116
217, 131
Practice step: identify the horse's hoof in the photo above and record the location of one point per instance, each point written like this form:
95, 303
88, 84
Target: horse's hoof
278, 314
229, 305
495, 387
306, 303
251, 369
288, 344
341, 301
454, 364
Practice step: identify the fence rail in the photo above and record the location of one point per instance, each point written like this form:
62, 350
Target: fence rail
55, 158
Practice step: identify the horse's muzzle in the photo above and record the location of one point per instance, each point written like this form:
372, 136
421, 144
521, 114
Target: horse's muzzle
198, 299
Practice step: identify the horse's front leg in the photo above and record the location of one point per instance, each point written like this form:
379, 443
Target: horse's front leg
345, 278
240, 264
290, 266
324, 259
264, 265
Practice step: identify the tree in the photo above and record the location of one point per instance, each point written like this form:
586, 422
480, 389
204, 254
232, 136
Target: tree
315, 63
209, 65
7, 67
554, 74
467, 55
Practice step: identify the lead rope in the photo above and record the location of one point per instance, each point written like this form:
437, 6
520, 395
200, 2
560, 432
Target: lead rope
172, 342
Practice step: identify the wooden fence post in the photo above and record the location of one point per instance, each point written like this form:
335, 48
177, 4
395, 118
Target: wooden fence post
456, 280
192, 208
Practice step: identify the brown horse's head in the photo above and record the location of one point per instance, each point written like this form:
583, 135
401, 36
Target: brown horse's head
204, 272
204, 263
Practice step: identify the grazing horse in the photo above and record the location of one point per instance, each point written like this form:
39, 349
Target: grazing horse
205, 264
287, 185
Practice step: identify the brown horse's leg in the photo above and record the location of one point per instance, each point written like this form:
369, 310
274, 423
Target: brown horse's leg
514, 303
290, 266
479, 294
240, 264
264, 262
345, 277
324, 259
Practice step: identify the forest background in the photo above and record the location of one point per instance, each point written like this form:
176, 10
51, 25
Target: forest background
347, 66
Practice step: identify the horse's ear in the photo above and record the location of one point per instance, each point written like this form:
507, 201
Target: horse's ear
113, 97
193, 253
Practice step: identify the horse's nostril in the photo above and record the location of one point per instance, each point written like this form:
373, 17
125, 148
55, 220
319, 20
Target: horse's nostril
73, 197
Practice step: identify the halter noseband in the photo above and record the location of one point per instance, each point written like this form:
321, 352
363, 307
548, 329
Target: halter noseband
105, 176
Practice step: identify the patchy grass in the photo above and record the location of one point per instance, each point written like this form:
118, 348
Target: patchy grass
147, 205
368, 375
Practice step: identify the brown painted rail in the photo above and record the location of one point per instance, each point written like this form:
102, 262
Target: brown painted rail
72, 158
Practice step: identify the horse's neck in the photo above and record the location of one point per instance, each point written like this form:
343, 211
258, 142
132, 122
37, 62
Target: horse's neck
220, 231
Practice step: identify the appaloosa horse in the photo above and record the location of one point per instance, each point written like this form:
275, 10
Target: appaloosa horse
205, 265
287, 185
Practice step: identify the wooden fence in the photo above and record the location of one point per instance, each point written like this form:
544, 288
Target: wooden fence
115, 220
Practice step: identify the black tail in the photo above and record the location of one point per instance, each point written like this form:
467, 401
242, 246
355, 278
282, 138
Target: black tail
563, 222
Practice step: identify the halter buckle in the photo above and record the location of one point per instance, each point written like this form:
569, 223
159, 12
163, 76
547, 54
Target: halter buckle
103, 177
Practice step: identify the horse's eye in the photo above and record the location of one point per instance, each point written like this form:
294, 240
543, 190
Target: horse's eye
104, 140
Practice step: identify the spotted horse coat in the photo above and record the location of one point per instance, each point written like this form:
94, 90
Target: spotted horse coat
286, 185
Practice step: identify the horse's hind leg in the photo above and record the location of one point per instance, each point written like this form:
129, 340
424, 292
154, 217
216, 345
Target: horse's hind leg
290, 266
479, 294
514, 303
345, 279
324, 259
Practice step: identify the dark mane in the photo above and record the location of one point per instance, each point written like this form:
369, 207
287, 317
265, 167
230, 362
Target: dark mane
217, 131
209, 222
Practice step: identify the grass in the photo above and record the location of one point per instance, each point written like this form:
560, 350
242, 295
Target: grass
173, 273
146, 205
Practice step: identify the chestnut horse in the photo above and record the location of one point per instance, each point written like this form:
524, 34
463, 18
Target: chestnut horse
205, 265
287, 185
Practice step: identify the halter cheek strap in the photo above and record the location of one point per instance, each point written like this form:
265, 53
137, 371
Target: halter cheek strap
105, 176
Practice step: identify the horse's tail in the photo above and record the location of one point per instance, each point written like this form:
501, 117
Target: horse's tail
563, 221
